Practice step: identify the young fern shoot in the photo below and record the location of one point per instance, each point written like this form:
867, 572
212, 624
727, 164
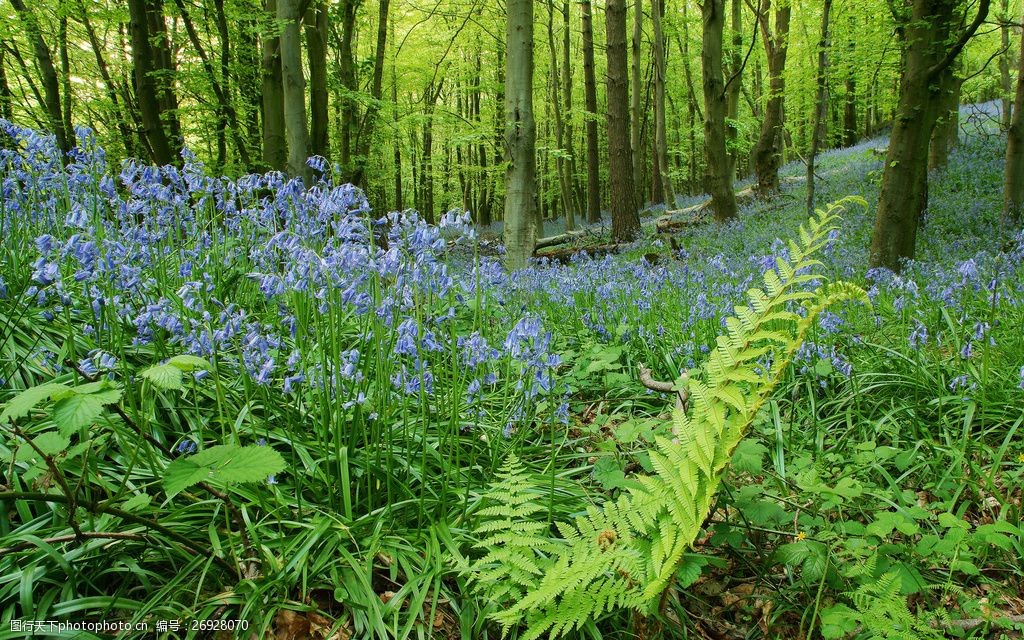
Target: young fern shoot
627, 552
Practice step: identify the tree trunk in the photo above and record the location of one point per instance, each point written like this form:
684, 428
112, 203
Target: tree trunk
768, 152
347, 76
151, 88
51, 84
316, 44
1005, 62
1013, 192
119, 116
365, 135
820, 103
625, 219
660, 127
734, 88
6, 97
636, 143
296, 133
520, 136
570, 145
904, 194
717, 173
65, 76
561, 162
275, 147
399, 200
590, 91
947, 125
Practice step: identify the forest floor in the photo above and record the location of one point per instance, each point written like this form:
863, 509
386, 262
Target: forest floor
259, 414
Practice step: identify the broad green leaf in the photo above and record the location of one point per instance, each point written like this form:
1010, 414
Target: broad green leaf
165, 376
749, 457
49, 443
222, 464
189, 363
21, 404
105, 390
76, 411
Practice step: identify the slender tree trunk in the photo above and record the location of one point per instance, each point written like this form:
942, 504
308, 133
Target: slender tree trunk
926, 74
1005, 62
316, 44
1013, 192
561, 162
399, 201
520, 136
365, 135
590, 94
717, 173
249, 79
347, 76
296, 133
636, 143
820, 102
275, 146
570, 145
945, 133
625, 219
51, 84
151, 90
660, 127
770, 145
65, 76
734, 88
122, 120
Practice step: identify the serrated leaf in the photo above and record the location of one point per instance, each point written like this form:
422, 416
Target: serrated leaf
189, 363
749, 457
21, 404
105, 390
49, 443
165, 376
76, 411
222, 464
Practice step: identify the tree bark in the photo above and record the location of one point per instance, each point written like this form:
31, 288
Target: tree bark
121, 118
316, 43
717, 175
820, 103
1013, 192
1005, 62
770, 145
926, 73
625, 219
153, 89
275, 147
734, 88
660, 127
347, 76
6, 97
561, 161
520, 136
370, 118
590, 95
636, 144
947, 126
51, 84
296, 133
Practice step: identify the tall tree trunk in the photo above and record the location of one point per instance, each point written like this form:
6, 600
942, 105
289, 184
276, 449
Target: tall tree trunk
399, 200
51, 84
770, 145
734, 88
65, 76
926, 74
224, 122
850, 130
717, 173
1005, 62
590, 95
1013, 191
520, 136
249, 79
151, 88
625, 219
561, 162
275, 146
370, 118
820, 102
316, 44
121, 118
660, 127
947, 126
570, 145
636, 143
347, 76
294, 89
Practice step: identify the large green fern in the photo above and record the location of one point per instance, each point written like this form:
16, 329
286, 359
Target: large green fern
626, 552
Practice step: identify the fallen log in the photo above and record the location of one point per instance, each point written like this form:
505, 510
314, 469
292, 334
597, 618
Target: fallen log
564, 255
552, 241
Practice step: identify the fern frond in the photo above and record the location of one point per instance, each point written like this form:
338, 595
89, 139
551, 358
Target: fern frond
625, 552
